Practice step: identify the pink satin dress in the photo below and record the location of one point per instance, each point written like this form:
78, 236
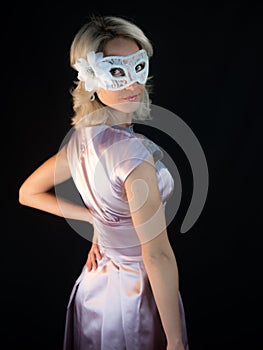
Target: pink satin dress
112, 307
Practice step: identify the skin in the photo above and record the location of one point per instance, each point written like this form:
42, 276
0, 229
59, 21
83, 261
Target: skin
123, 101
148, 219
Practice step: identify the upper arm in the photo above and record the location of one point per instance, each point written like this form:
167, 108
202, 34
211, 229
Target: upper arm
147, 209
53, 171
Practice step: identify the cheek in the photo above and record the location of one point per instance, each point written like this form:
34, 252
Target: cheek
107, 97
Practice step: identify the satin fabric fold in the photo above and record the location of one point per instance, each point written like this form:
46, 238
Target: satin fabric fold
113, 307
121, 316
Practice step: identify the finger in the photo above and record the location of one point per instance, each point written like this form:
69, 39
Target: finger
94, 261
98, 254
88, 264
90, 261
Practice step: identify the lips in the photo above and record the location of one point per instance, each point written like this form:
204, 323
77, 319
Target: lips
131, 98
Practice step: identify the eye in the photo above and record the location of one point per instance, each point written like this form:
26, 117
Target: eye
140, 67
117, 72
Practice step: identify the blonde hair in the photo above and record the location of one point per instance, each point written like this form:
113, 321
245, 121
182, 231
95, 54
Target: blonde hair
93, 36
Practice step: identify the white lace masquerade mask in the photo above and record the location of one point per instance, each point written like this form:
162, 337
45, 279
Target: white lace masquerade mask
112, 72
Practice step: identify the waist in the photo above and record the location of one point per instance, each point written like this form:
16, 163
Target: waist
120, 256
117, 237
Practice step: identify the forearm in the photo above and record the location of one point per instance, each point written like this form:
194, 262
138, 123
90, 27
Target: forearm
57, 206
163, 276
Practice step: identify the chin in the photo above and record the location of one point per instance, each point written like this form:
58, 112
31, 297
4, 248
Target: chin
126, 107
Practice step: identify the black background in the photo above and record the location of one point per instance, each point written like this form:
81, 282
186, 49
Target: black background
207, 69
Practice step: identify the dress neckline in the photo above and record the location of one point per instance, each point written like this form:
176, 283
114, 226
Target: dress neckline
127, 128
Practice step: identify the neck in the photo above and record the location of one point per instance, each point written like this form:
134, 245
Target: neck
120, 118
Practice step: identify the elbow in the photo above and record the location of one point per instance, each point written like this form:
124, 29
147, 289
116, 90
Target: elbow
158, 258
22, 196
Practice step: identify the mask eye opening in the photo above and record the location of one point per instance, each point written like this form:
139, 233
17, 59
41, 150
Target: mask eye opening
117, 72
141, 66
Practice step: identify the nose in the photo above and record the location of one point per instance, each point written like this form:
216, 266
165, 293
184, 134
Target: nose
132, 86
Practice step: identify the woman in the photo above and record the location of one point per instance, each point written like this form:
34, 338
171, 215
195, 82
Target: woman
127, 295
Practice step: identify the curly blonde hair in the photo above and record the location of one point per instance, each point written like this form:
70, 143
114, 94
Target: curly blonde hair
93, 36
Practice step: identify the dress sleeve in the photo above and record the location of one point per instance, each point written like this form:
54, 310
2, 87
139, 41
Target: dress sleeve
128, 154
109, 154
